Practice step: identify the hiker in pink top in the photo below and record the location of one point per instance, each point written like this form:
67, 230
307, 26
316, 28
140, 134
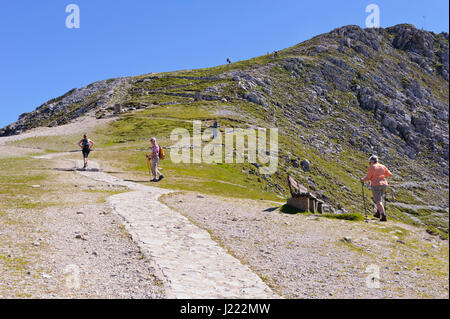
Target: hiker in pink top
376, 175
155, 160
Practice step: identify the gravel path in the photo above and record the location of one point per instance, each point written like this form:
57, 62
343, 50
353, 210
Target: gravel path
192, 264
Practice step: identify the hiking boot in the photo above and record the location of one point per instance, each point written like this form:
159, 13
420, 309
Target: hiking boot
383, 218
160, 177
154, 180
377, 214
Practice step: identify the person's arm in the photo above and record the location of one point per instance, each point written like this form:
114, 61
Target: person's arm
387, 172
368, 176
79, 143
92, 143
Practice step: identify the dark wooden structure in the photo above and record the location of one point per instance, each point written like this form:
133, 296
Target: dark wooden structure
302, 199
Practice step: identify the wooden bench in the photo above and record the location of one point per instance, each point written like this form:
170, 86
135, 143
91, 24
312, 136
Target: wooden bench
302, 199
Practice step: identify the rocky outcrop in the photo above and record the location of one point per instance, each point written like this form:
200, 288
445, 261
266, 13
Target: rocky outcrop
63, 109
397, 77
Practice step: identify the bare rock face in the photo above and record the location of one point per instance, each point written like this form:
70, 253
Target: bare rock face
409, 38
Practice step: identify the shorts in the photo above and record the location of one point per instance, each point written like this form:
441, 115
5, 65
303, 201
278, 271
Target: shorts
86, 152
377, 192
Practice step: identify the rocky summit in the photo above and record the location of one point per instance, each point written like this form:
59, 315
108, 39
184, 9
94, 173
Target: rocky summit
336, 99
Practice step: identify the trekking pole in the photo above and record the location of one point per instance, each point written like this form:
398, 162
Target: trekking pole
148, 166
364, 201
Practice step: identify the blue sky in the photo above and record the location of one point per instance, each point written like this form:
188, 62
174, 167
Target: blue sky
40, 58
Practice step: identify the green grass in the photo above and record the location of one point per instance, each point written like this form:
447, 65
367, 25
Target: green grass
123, 143
287, 209
346, 216
437, 232
51, 144
13, 263
16, 177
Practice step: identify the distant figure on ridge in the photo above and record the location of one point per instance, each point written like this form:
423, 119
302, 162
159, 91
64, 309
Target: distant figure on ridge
85, 144
377, 174
228, 61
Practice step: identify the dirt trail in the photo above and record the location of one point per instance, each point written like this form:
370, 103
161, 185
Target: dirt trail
192, 264
82, 125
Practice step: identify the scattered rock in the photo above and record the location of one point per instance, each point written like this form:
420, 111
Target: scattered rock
306, 165
46, 276
347, 239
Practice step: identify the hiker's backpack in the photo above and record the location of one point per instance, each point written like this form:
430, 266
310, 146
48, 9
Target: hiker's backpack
161, 153
85, 143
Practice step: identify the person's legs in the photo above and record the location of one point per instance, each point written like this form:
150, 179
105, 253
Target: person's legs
155, 170
377, 214
377, 192
380, 208
85, 156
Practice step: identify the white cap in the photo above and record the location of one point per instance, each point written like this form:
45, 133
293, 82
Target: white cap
373, 158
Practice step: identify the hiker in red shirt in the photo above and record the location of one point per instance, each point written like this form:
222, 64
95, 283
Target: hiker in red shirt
376, 175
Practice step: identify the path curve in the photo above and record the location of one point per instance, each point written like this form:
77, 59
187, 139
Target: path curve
193, 265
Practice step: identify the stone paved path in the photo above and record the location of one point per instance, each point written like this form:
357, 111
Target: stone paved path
191, 263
